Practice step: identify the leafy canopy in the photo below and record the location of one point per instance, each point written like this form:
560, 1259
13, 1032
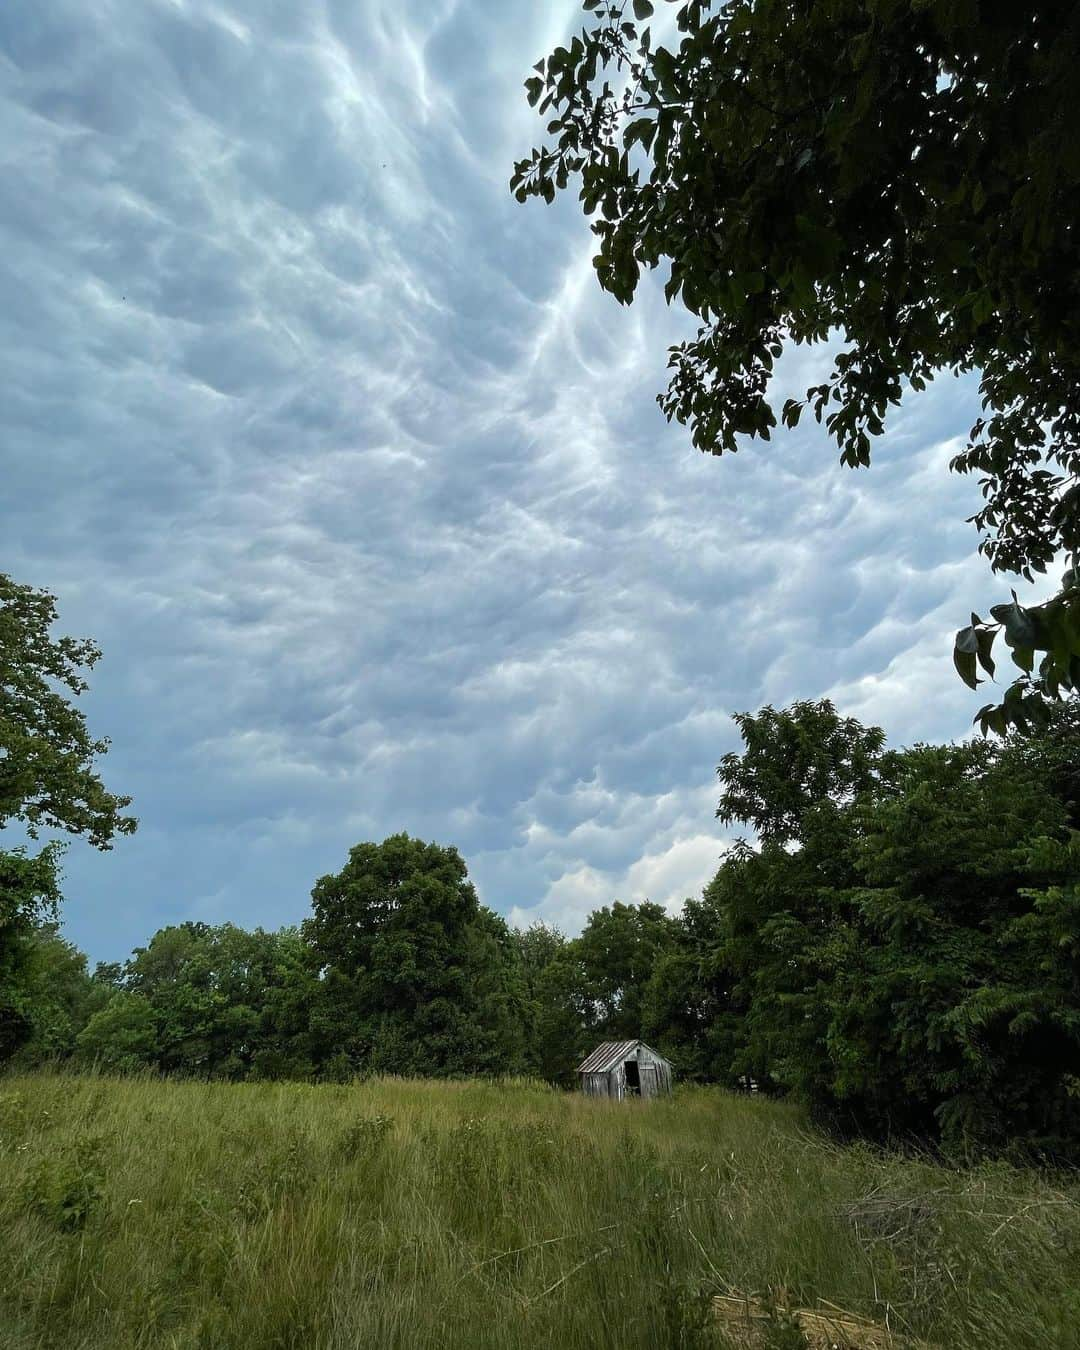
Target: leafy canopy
416, 975
908, 961
47, 780
47, 776
794, 760
902, 174
29, 891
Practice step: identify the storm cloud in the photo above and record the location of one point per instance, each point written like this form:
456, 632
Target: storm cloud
359, 481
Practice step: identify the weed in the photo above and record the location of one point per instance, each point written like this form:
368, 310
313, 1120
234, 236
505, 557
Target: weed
13, 1114
67, 1189
365, 1135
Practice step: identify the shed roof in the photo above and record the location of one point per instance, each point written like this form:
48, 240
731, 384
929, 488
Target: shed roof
609, 1053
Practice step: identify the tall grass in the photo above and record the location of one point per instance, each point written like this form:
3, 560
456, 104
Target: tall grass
139, 1213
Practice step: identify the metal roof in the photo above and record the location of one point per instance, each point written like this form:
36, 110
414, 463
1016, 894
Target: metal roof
609, 1053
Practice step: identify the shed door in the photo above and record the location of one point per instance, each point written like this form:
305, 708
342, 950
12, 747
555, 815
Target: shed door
650, 1085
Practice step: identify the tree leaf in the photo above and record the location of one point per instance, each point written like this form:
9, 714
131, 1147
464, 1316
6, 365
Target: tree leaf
1020, 629
965, 666
985, 638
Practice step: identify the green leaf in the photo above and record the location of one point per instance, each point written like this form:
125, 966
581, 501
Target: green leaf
642, 130
983, 307
965, 667
643, 9
1020, 629
985, 638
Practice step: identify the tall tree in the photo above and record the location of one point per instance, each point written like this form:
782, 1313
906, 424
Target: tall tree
953, 1001
792, 761
417, 977
903, 173
60, 995
687, 1008
47, 781
909, 961
618, 950
556, 999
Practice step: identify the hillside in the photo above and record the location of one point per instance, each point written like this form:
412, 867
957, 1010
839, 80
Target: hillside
141, 1213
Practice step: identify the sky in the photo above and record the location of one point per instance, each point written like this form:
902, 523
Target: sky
358, 479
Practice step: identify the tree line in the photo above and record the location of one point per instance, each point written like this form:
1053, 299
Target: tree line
896, 943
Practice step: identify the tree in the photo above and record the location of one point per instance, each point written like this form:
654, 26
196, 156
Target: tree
29, 892
556, 1039
902, 174
954, 1002
794, 760
47, 776
225, 1002
417, 977
59, 995
909, 961
686, 1008
122, 1036
618, 950
47, 780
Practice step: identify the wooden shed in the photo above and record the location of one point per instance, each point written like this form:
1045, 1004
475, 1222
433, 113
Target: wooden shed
622, 1069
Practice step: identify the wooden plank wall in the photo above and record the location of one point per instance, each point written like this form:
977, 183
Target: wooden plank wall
613, 1083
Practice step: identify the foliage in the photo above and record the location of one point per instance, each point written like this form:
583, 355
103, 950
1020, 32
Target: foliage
911, 964
899, 949
618, 950
59, 994
66, 1189
687, 1011
794, 760
555, 1037
47, 776
491, 1215
898, 174
416, 977
47, 780
218, 1002
122, 1036
29, 891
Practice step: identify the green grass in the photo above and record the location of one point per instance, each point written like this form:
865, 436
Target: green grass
412, 1214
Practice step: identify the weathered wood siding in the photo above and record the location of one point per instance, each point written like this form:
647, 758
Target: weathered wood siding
654, 1072
654, 1075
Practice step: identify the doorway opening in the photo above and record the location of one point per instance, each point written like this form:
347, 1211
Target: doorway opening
633, 1079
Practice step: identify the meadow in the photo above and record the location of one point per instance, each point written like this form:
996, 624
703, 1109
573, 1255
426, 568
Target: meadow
393, 1213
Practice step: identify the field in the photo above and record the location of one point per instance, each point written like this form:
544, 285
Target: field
410, 1214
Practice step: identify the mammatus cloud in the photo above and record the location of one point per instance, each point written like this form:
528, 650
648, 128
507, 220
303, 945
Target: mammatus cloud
358, 478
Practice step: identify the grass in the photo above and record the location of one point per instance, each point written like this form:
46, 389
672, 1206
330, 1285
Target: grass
140, 1213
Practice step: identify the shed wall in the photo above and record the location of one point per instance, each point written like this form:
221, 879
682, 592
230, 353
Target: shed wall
655, 1080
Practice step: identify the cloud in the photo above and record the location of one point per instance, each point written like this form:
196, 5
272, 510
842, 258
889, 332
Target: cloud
359, 480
